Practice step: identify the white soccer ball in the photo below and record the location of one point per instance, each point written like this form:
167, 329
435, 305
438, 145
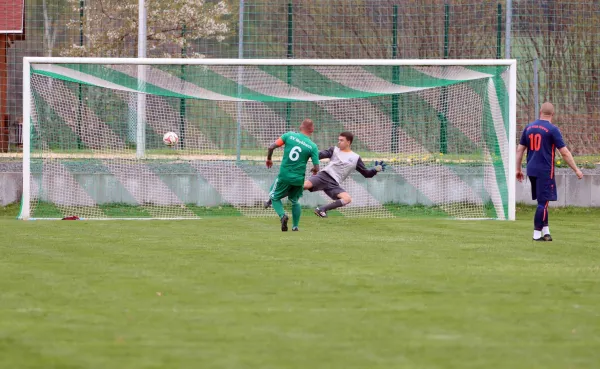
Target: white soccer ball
170, 138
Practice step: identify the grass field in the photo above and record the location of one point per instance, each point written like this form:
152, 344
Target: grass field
342, 293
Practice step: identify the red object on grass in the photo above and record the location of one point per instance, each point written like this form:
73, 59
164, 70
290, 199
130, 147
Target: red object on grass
72, 217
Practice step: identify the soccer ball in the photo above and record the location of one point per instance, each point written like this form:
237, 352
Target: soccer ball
170, 138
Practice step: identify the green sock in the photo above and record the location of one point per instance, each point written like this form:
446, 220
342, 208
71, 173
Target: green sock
278, 206
296, 212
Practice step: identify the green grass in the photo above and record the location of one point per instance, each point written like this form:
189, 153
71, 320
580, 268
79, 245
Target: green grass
342, 293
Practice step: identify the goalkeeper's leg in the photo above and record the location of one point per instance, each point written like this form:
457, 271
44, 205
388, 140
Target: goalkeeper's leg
343, 199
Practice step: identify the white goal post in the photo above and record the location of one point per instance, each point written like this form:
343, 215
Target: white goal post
446, 128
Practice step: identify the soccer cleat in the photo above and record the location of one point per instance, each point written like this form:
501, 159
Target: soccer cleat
547, 237
284, 221
267, 203
540, 239
295, 229
321, 213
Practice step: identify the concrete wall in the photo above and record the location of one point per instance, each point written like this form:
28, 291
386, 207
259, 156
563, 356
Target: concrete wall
11, 187
571, 191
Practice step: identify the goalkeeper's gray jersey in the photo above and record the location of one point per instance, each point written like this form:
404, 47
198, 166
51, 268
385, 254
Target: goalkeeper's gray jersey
343, 163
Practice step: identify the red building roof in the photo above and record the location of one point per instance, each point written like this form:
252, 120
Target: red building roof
11, 16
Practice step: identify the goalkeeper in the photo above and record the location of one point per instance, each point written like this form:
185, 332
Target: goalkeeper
298, 149
342, 162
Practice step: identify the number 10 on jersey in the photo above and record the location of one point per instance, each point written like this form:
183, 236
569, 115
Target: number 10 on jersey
535, 141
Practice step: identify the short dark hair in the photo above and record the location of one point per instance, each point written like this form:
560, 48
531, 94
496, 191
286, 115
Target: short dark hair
348, 135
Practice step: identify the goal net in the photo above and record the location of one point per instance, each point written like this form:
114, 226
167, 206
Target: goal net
93, 132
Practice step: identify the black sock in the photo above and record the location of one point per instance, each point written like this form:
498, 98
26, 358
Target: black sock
332, 205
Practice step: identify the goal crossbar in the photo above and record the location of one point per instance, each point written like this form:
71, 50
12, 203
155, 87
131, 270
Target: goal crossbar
292, 62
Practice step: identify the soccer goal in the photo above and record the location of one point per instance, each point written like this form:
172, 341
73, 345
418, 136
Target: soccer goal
93, 135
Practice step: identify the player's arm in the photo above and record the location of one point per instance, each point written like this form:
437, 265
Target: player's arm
568, 157
523, 144
314, 157
520, 151
326, 154
369, 173
566, 154
278, 143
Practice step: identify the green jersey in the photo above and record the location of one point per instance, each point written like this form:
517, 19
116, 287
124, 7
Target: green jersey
298, 149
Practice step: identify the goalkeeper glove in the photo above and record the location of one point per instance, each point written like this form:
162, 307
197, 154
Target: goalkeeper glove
380, 166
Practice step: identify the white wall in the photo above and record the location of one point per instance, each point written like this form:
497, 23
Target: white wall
571, 191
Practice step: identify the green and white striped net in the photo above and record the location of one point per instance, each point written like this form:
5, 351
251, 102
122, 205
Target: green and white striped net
442, 130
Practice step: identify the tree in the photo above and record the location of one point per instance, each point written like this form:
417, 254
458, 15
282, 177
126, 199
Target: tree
51, 12
110, 27
564, 36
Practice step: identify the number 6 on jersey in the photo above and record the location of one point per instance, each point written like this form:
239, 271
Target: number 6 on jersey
295, 153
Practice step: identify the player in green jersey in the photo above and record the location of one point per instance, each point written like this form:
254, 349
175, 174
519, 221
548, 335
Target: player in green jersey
290, 181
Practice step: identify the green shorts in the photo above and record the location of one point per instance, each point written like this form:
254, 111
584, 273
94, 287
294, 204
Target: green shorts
280, 189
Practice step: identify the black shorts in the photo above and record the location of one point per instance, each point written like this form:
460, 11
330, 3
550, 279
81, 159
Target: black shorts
323, 182
543, 189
